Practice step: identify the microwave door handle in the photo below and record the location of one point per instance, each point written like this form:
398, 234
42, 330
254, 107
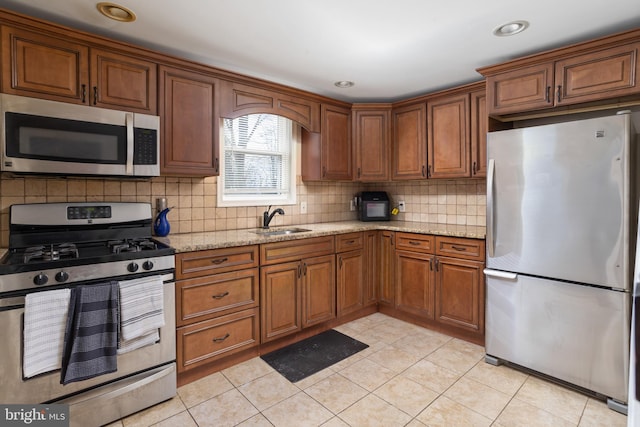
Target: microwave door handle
128, 119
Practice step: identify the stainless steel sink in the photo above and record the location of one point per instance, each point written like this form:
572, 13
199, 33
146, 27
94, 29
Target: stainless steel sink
279, 231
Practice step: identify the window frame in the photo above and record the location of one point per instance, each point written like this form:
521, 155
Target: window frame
239, 200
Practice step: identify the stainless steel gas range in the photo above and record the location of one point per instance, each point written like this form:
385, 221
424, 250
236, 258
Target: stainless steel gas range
59, 246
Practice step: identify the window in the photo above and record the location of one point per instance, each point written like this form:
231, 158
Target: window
258, 161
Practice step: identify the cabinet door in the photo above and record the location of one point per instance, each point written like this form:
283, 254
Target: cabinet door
410, 142
24, 56
318, 290
414, 283
350, 281
386, 265
448, 137
460, 293
280, 300
524, 89
371, 267
190, 123
119, 81
597, 75
479, 128
371, 140
336, 156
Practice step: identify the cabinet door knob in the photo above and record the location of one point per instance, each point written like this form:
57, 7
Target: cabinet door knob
559, 94
84, 93
220, 339
95, 95
547, 96
220, 296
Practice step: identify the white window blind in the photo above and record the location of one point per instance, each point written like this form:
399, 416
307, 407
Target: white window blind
257, 159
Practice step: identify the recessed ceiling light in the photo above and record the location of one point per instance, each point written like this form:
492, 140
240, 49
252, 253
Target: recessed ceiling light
510, 28
343, 84
116, 12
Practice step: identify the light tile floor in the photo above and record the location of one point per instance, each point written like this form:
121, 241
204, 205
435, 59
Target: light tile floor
409, 376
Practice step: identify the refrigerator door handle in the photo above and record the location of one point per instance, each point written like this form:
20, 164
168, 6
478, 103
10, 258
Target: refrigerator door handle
490, 237
500, 274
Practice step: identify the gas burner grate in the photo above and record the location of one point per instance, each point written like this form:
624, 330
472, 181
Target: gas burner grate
131, 245
50, 252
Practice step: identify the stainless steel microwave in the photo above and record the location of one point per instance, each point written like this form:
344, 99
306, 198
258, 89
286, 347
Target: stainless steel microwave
48, 137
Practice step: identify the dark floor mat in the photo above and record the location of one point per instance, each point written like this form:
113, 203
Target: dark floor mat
297, 361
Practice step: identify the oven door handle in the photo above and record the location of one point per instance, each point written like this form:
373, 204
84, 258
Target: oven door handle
128, 120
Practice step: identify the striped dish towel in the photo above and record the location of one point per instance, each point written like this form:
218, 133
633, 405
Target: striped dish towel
91, 336
141, 307
136, 343
45, 318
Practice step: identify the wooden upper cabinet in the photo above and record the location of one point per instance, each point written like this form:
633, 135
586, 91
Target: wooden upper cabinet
238, 100
410, 142
76, 73
371, 140
119, 81
337, 163
328, 154
189, 133
602, 74
596, 73
529, 88
448, 137
479, 129
24, 55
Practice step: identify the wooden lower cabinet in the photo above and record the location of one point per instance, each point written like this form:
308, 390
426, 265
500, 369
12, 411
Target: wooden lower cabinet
217, 305
350, 281
415, 283
460, 294
298, 293
386, 275
204, 342
280, 296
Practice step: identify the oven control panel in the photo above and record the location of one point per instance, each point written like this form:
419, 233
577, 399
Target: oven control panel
88, 212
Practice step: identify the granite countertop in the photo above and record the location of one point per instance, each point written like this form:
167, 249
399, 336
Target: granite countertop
188, 242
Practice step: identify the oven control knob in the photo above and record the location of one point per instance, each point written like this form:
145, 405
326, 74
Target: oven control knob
40, 279
62, 276
147, 265
132, 267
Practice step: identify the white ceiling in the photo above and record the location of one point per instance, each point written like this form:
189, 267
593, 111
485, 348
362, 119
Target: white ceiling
391, 49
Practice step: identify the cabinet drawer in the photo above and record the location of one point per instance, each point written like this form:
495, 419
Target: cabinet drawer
205, 297
414, 242
212, 339
460, 248
203, 263
294, 250
349, 242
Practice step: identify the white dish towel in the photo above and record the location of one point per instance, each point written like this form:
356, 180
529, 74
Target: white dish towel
45, 319
141, 307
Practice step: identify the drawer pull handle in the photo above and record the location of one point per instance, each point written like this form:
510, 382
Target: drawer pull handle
220, 296
219, 260
350, 242
458, 248
414, 243
220, 339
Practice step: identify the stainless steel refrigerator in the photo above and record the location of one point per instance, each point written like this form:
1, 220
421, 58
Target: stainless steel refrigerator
561, 224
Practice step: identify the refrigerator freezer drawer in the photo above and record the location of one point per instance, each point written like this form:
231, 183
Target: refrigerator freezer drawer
578, 334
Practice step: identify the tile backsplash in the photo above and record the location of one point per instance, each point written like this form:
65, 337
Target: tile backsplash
195, 209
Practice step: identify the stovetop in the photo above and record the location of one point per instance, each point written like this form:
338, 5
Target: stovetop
58, 244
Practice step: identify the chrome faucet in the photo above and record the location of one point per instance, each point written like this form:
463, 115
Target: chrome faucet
266, 217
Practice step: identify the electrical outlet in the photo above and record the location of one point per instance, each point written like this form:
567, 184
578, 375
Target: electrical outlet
352, 205
303, 207
401, 206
